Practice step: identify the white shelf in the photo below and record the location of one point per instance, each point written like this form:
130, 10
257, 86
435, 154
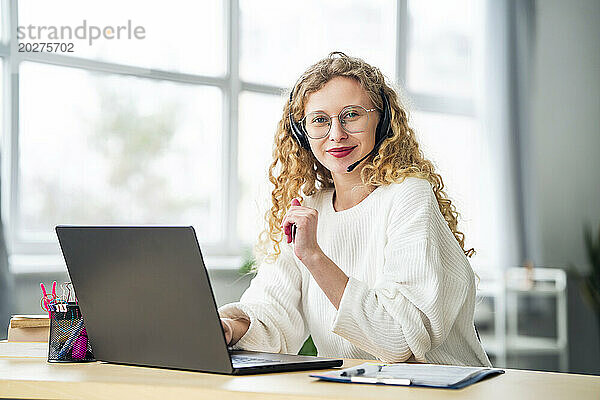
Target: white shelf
522, 345
538, 292
533, 345
504, 290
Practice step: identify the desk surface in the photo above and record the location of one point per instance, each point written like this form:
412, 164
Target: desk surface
24, 373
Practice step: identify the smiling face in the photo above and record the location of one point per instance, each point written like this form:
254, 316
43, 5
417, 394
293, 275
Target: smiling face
340, 149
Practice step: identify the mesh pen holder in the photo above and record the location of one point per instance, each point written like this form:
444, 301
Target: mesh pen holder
68, 338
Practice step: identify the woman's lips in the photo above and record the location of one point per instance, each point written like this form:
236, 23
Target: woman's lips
341, 153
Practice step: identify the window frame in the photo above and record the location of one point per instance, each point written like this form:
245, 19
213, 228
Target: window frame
23, 252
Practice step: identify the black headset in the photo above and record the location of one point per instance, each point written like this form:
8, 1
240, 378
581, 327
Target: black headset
383, 131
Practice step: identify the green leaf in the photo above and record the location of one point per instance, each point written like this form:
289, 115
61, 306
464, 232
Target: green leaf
593, 249
308, 348
248, 264
590, 282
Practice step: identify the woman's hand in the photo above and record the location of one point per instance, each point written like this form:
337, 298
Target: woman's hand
227, 329
234, 329
304, 235
330, 278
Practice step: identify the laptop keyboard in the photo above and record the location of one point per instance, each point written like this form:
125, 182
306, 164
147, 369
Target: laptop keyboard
237, 359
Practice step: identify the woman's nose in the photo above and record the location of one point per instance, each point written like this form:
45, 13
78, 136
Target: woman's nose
336, 132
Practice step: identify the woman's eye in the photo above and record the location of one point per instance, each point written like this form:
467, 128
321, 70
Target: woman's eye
319, 120
351, 115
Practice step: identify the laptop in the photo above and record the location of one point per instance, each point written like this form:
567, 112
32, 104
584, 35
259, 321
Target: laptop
146, 299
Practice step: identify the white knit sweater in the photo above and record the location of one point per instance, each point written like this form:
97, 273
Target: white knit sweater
410, 292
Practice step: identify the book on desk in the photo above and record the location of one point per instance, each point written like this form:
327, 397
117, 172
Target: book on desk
29, 328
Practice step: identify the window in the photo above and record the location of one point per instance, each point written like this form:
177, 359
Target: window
177, 127
118, 131
259, 114
452, 143
100, 148
186, 36
279, 40
441, 47
443, 68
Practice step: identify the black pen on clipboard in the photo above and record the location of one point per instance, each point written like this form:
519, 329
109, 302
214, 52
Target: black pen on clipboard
358, 375
367, 369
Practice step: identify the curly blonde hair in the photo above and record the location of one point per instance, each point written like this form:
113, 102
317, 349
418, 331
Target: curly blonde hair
295, 169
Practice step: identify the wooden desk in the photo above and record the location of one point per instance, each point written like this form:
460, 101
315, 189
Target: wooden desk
24, 373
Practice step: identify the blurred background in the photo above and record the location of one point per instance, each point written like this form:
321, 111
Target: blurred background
177, 128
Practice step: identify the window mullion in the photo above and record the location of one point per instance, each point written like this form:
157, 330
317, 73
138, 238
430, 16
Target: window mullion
10, 160
261, 88
443, 104
120, 69
401, 41
230, 136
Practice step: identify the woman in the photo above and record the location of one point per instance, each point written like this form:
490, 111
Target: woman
373, 266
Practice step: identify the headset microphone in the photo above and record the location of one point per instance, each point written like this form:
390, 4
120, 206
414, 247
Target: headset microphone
375, 148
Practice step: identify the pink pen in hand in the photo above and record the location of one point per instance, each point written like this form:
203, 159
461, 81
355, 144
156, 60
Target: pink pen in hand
292, 237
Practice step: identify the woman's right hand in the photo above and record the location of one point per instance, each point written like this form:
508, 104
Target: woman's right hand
234, 329
227, 329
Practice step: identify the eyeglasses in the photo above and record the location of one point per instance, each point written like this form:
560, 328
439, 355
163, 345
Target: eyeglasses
353, 119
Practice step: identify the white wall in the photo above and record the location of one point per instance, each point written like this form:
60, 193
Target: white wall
565, 151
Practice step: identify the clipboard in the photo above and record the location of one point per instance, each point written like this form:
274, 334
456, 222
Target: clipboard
416, 375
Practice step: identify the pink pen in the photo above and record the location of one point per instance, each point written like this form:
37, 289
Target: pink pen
80, 346
292, 234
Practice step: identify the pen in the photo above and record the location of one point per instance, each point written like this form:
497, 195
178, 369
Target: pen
295, 202
364, 369
80, 346
69, 343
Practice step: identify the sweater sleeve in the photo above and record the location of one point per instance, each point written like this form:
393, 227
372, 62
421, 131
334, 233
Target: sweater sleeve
426, 280
273, 305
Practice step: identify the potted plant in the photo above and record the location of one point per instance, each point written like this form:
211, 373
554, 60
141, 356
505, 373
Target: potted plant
590, 280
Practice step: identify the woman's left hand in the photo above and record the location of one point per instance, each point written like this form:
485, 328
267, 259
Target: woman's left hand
305, 239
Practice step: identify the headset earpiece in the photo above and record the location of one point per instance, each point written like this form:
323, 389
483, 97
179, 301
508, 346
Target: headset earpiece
384, 127
297, 129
